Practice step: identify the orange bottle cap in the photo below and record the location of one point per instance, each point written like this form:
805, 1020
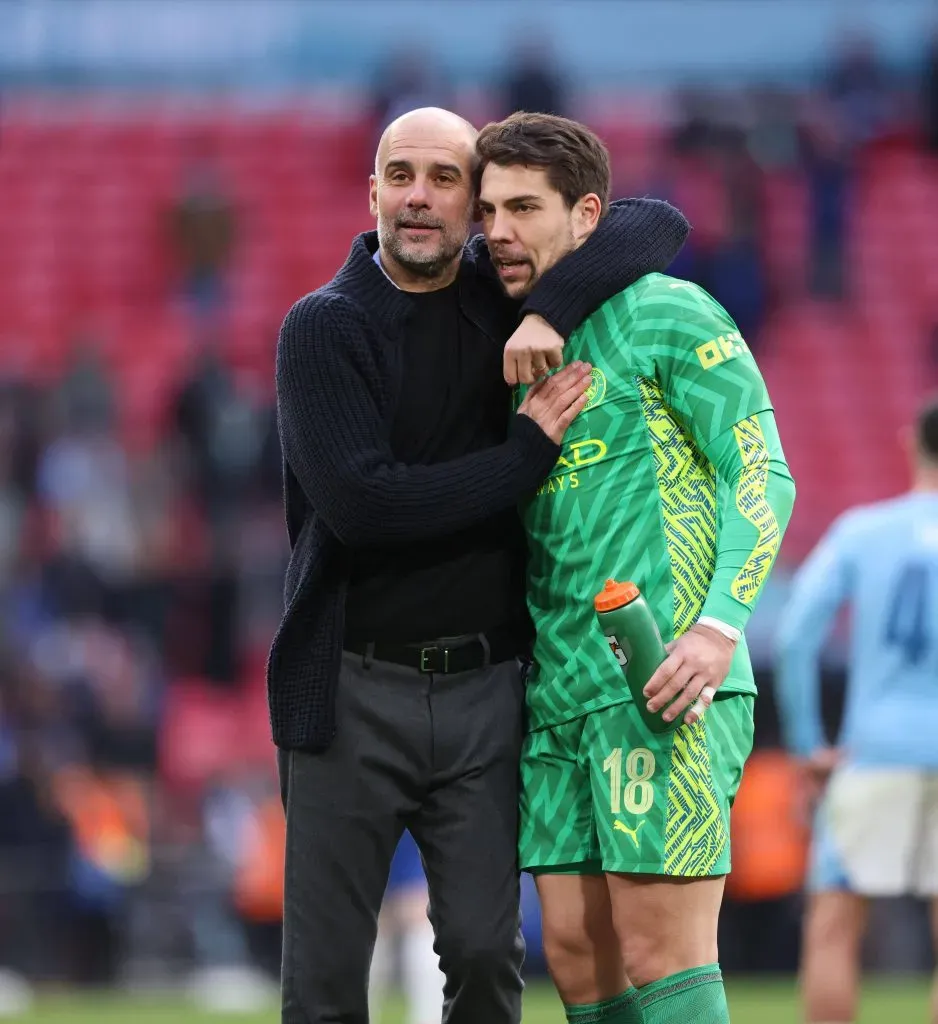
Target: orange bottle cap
615, 595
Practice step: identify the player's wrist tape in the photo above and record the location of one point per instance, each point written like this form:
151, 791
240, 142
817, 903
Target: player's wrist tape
721, 627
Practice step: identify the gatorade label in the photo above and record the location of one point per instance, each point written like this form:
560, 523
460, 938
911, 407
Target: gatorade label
616, 649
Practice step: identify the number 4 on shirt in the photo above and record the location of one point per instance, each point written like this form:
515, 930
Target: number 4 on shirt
909, 616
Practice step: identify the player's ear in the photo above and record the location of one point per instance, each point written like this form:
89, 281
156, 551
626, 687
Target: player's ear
373, 195
586, 214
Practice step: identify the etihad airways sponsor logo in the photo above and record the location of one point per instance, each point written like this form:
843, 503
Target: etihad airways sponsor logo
576, 456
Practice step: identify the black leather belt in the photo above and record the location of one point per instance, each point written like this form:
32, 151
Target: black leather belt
445, 656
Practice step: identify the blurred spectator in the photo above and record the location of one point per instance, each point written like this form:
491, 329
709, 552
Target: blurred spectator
224, 431
773, 139
203, 231
666, 183
534, 82
697, 115
18, 454
733, 272
120, 716
259, 852
84, 399
35, 843
859, 87
85, 485
109, 815
760, 926
930, 94
229, 449
709, 170
234, 884
408, 80
829, 169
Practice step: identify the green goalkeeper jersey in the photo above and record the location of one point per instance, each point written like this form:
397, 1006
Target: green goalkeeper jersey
672, 476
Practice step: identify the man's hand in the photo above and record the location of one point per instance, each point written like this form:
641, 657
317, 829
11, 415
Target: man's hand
533, 350
816, 771
554, 403
696, 666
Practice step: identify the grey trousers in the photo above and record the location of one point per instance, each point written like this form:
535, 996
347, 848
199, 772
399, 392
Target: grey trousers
437, 754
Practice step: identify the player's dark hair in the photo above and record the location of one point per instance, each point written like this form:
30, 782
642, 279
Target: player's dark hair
926, 429
576, 161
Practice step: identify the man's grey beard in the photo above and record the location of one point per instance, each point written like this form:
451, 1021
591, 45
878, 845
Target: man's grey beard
421, 264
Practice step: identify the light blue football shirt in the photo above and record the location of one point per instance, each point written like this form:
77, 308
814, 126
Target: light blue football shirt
881, 562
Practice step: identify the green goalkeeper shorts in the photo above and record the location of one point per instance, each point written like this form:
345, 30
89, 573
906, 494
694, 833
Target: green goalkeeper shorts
603, 793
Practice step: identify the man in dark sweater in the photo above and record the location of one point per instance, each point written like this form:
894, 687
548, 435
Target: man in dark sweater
394, 680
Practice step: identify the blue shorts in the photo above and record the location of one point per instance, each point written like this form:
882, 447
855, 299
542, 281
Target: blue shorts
406, 868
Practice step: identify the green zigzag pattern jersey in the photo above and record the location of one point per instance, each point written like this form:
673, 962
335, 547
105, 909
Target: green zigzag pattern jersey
632, 495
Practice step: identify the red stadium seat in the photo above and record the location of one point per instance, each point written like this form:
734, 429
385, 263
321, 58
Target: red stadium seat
200, 734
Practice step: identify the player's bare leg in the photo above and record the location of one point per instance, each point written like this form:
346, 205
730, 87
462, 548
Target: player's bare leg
667, 930
580, 942
665, 925
582, 949
830, 959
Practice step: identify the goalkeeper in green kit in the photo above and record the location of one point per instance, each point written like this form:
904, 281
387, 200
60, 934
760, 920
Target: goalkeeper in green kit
673, 476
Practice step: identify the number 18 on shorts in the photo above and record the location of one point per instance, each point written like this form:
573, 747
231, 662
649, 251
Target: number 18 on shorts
604, 793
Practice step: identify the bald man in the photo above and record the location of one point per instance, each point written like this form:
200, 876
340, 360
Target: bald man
395, 680
419, 244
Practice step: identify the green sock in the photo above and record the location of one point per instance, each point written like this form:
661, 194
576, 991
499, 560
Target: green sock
624, 1009
691, 997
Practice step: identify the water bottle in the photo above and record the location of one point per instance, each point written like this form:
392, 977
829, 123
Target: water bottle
632, 633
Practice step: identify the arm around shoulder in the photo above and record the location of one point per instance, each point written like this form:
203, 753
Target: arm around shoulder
334, 433
635, 238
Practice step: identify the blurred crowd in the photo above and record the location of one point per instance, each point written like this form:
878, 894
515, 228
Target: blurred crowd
139, 586
721, 144
118, 577
821, 135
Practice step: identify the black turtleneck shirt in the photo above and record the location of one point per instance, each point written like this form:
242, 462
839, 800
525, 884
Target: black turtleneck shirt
453, 402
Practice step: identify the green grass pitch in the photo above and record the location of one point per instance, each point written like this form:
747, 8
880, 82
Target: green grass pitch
751, 1002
